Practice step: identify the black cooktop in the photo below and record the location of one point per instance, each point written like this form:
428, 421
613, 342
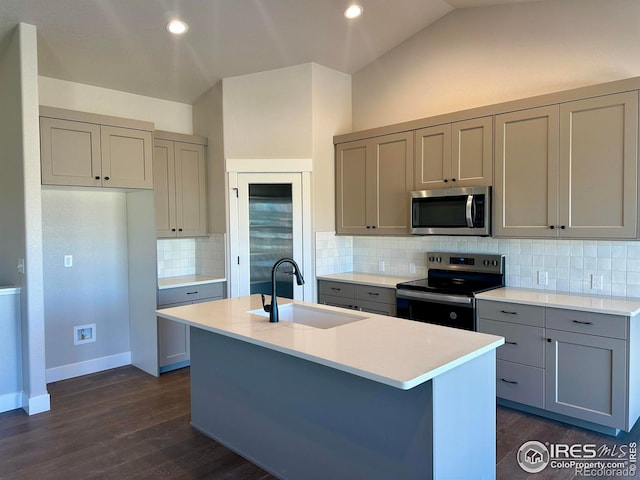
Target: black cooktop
452, 283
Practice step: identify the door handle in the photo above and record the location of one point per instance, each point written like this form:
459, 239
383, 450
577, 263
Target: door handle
469, 211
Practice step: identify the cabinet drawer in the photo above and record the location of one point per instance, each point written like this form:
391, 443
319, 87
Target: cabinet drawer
603, 325
520, 383
335, 301
377, 307
190, 293
375, 294
337, 289
523, 343
511, 312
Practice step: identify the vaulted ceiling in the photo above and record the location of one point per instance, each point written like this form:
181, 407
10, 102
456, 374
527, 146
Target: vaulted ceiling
123, 44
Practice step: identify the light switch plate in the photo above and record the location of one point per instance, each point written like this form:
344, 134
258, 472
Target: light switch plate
68, 261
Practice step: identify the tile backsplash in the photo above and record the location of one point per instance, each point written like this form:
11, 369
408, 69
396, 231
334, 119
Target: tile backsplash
569, 264
191, 256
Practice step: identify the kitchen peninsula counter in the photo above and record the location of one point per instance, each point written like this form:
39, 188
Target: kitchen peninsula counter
379, 397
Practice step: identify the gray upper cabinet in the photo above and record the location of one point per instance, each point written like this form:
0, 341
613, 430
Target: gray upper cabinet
458, 154
90, 153
373, 180
179, 179
568, 170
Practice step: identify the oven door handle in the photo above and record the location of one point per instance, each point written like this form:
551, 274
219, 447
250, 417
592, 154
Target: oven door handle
435, 297
469, 211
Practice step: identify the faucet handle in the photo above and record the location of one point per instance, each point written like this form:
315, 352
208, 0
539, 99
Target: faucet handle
267, 308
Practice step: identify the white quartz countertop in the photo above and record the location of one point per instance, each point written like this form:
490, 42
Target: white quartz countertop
393, 351
186, 281
9, 290
371, 279
587, 303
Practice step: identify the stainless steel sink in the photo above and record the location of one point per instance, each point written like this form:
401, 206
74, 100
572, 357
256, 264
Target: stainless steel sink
311, 316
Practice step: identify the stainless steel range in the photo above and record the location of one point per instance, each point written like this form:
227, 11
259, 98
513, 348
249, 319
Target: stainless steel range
447, 296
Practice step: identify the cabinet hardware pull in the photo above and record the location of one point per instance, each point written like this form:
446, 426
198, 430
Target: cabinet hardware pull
374, 294
509, 313
562, 227
552, 227
173, 229
511, 343
368, 226
179, 229
453, 179
509, 381
582, 323
549, 340
192, 293
336, 289
106, 178
97, 177
445, 180
373, 226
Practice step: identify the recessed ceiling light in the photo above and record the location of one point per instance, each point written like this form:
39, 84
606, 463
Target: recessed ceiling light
354, 11
177, 27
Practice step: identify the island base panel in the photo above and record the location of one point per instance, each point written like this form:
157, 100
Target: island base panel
298, 419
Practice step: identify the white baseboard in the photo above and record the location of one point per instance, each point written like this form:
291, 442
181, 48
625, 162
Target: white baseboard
90, 366
33, 405
10, 401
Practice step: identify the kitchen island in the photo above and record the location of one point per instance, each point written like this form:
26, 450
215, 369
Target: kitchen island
375, 397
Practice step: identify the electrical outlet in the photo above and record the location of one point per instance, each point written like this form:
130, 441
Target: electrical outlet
596, 281
543, 278
68, 261
381, 266
412, 268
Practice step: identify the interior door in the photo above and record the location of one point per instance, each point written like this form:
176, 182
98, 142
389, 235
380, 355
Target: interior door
269, 228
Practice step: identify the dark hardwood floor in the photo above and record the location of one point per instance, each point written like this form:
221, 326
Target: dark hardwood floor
125, 424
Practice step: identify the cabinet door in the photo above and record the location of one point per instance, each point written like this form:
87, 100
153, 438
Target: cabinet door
190, 190
173, 342
433, 157
585, 377
598, 167
70, 153
526, 173
472, 152
164, 193
351, 190
390, 174
126, 157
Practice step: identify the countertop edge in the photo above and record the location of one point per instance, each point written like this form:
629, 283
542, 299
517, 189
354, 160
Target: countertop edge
564, 300
9, 290
187, 283
369, 279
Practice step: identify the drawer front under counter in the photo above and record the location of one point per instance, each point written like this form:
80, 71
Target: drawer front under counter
601, 324
375, 294
337, 289
523, 343
520, 383
193, 293
511, 312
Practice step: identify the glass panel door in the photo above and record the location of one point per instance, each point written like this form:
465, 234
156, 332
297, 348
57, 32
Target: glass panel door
270, 237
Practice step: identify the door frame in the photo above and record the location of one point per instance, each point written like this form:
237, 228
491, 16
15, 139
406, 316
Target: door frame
289, 166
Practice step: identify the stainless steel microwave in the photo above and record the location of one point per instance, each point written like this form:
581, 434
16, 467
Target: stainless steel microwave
452, 211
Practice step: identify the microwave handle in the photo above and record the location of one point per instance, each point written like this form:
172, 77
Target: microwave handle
470, 211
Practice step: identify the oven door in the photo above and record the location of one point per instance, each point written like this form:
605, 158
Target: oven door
447, 310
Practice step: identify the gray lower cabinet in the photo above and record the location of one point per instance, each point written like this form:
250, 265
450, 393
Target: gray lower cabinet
365, 298
520, 361
173, 337
581, 365
586, 374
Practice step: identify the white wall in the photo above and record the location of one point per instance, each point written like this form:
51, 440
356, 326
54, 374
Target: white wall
268, 114
481, 56
331, 114
10, 350
167, 115
20, 210
91, 225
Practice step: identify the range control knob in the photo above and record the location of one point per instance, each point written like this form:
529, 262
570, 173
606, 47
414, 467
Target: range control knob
486, 263
494, 263
438, 259
431, 259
